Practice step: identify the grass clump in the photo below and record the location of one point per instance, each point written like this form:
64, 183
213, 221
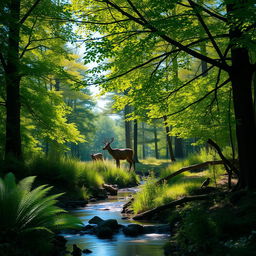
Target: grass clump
186, 183
150, 195
79, 179
113, 175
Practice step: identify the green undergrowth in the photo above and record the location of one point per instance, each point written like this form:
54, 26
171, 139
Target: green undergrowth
29, 217
223, 226
188, 183
79, 179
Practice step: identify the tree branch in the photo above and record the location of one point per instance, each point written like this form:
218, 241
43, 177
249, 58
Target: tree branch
202, 98
187, 83
194, 6
134, 68
29, 12
29, 39
215, 15
182, 47
87, 22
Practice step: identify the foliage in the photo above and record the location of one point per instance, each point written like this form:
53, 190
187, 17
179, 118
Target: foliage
187, 183
27, 213
79, 179
226, 226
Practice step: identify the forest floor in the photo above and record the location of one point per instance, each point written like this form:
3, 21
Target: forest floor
146, 166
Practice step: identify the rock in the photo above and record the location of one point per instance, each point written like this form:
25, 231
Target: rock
76, 251
107, 228
59, 245
86, 251
92, 199
104, 232
133, 230
87, 227
127, 207
101, 194
95, 220
110, 189
111, 223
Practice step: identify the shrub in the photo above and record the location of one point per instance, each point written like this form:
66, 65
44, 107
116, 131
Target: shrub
29, 218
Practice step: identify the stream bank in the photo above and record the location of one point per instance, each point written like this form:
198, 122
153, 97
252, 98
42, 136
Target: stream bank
149, 244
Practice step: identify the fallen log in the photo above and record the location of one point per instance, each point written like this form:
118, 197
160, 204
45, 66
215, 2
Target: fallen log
148, 214
189, 168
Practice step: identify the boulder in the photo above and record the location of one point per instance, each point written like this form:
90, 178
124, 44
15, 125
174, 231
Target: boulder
106, 228
111, 223
95, 220
76, 251
133, 230
104, 232
110, 189
86, 251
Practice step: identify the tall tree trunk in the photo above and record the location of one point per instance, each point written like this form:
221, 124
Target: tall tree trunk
168, 138
178, 148
241, 75
128, 128
241, 79
12, 78
156, 143
143, 141
135, 141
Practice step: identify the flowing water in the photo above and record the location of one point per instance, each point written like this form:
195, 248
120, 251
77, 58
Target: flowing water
119, 245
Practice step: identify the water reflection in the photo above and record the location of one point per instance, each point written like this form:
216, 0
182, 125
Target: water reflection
119, 245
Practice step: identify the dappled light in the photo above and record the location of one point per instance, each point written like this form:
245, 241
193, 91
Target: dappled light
127, 127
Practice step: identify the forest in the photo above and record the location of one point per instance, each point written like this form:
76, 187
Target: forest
127, 127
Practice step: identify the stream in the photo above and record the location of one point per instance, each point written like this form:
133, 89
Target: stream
119, 245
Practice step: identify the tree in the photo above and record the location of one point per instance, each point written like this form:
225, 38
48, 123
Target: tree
151, 25
30, 45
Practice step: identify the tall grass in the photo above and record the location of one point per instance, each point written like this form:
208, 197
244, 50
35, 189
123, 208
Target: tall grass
78, 178
152, 195
204, 155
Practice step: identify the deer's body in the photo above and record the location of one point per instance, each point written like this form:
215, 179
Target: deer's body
120, 154
97, 157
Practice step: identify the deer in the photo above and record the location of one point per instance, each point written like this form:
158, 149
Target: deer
119, 153
97, 157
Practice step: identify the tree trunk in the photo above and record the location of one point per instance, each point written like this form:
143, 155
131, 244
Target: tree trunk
135, 141
241, 78
143, 141
241, 75
169, 142
128, 139
178, 148
156, 143
12, 78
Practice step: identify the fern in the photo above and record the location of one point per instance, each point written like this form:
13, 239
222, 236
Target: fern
30, 213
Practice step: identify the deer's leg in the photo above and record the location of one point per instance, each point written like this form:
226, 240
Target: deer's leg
118, 163
130, 162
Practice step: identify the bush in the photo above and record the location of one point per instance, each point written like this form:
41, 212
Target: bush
29, 218
198, 232
79, 179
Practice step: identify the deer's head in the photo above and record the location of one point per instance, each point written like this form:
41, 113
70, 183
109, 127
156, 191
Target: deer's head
107, 144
